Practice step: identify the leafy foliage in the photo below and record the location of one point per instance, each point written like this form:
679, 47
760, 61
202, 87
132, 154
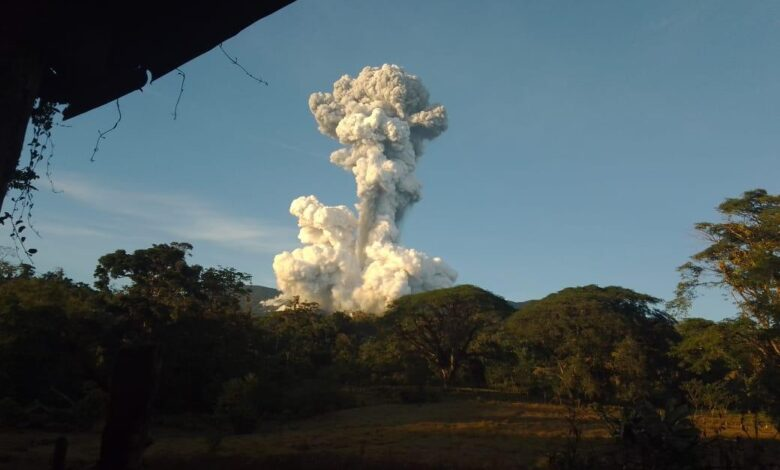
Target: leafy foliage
743, 256
653, 437
597, 344
49, 338
442, 326
239, 402
196, 314
586, 346
41, 147
719, 365
160, 288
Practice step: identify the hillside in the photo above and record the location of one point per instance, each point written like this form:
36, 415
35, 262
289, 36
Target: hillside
259, 293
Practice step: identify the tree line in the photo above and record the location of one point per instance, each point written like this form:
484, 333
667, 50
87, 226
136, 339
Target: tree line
595, 346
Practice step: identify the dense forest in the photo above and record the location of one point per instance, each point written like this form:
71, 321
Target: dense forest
643, 366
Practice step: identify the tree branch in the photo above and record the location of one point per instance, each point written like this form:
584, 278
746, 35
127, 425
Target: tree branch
102, 135
234, 61
181, 91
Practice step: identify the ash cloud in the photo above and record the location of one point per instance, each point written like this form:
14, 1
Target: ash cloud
352, 261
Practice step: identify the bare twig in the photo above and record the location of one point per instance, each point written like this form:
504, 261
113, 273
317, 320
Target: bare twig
234, 60
181, 91
63, 396
102, 134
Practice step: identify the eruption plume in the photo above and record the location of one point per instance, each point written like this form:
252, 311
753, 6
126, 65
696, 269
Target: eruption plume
351, 262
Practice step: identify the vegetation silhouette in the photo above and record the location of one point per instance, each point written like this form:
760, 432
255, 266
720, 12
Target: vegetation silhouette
172, 359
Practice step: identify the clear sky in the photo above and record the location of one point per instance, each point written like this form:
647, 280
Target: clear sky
585, 140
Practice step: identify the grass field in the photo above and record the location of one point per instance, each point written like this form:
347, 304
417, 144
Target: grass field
455, 433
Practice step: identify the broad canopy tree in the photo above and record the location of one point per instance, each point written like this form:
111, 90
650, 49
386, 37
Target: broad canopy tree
743, 256
443, 325
49, 337
155, 287
196, 318
602, 344
719, 366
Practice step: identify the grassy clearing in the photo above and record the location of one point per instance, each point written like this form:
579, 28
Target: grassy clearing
455, 433
463, 433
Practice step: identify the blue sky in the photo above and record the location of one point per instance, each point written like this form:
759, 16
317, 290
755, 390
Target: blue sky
585, 140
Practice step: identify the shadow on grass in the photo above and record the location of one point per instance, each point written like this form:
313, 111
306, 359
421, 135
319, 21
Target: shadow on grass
426, 452
522, 454
458, 434
528, 453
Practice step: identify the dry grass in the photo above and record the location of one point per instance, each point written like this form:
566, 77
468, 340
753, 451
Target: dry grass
462, 433
731, 426
451, 434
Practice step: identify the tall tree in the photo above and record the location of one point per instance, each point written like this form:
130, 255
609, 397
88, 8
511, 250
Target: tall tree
50, 334
153, 288
443, 325
165, 310
720, 367
194, 314
743, 256
605, 344
299, 340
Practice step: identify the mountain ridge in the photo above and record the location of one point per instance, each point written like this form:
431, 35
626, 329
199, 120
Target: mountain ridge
259, 293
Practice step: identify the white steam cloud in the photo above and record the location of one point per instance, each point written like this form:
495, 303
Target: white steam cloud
354, 262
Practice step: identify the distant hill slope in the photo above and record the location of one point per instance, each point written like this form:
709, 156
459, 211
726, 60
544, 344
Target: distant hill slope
518, 305
259, 293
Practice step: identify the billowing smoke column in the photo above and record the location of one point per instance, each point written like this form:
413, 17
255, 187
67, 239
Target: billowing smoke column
353, 262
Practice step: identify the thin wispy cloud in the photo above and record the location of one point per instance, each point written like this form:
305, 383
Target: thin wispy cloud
56, 227
173, 216
684, 16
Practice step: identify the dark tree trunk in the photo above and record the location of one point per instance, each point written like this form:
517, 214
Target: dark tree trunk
448, 370
20, 78
133, 384
60, 452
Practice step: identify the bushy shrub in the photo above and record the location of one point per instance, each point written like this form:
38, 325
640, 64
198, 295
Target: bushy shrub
239, 403
91, 408
653, 438
513, 371
710, 397
11, 412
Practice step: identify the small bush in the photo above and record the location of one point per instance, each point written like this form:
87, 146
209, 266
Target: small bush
91, 408
11, 413
418, 395
652, 438
710, 397
239, 403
